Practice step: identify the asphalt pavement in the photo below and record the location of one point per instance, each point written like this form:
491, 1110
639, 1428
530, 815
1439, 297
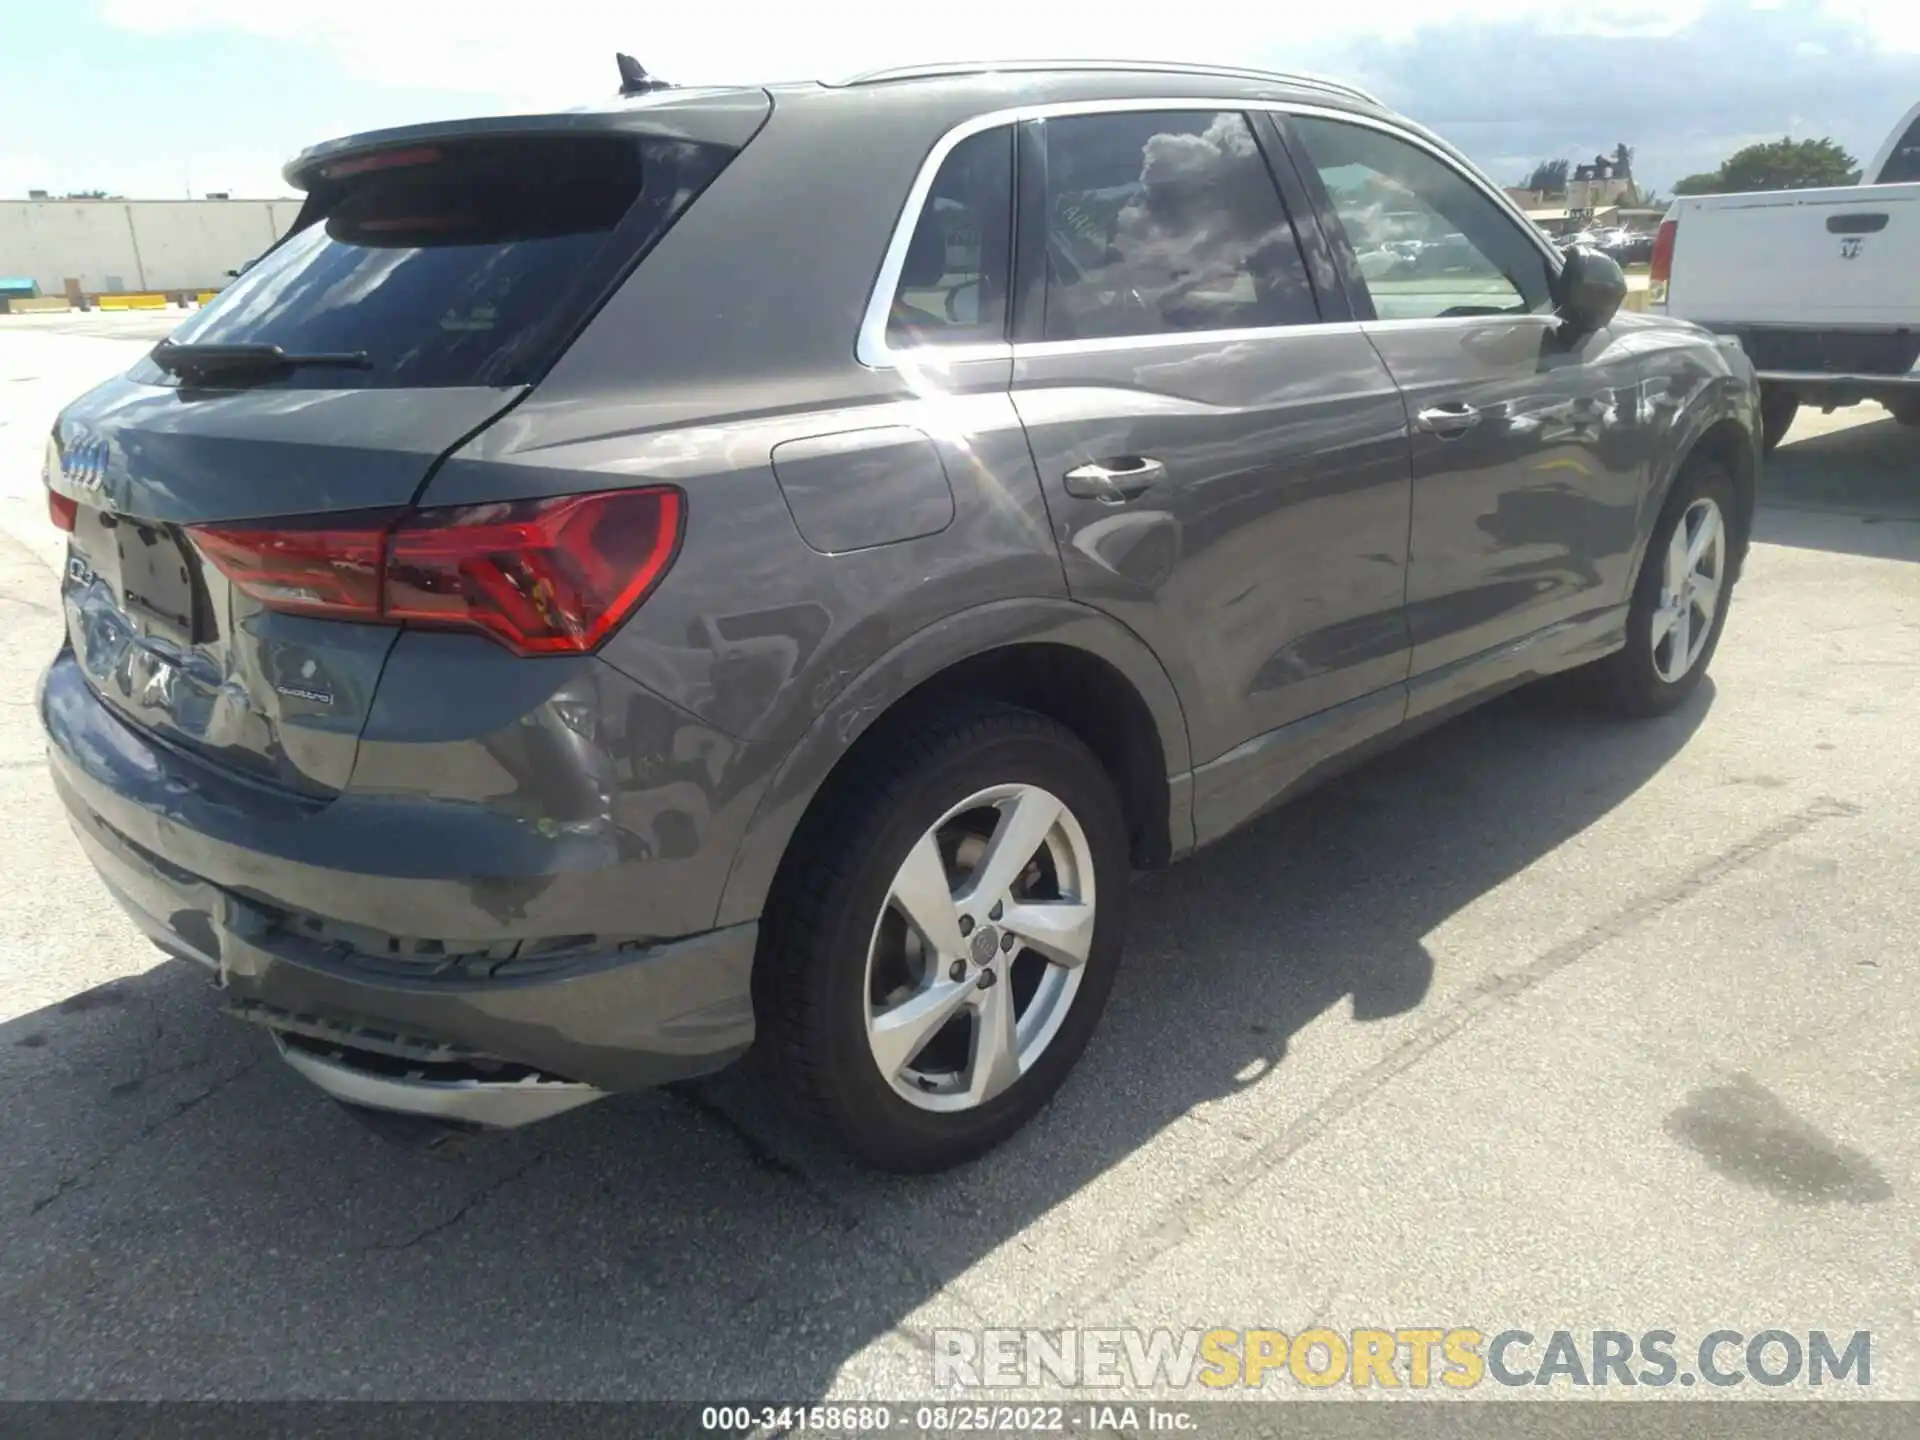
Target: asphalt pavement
1543, 1021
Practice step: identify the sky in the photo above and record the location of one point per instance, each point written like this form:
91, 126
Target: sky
164, 98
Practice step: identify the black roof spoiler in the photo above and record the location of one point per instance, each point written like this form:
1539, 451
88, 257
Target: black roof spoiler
714, 117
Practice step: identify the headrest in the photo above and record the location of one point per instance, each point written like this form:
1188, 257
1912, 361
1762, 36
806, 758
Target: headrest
926, 262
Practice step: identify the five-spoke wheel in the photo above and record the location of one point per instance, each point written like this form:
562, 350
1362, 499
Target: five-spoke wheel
978, 953
939, 951
1695, 565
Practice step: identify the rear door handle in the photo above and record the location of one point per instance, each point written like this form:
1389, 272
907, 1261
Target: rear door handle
1114, 482
1454, 419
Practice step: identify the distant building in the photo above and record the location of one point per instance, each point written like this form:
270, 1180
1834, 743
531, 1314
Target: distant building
102, 246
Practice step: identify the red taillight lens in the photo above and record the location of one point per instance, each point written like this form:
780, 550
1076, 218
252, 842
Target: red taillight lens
1662, 272
542, 577
326, 566
62, 511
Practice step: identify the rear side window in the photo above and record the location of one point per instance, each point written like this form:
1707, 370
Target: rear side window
955, 280
1903, 165
1429, 242
1165, 222
467, 263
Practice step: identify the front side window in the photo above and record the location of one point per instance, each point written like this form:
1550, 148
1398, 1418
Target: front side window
1430, 243
1166, 222
955, 280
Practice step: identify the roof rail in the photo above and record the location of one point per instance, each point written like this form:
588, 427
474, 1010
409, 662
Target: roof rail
952, 68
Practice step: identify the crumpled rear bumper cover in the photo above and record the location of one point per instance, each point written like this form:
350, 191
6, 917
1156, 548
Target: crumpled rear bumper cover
620, 1021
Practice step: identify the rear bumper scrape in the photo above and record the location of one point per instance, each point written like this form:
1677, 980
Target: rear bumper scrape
600, 1023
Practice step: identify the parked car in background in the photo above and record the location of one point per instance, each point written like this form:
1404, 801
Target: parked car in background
1821, 286
736, 582
1628, 247
1445, 252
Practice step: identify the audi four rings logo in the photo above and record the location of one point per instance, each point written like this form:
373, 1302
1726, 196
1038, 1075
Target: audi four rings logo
83, 463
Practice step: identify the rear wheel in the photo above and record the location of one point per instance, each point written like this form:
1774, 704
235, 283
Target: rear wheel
1778, 409
942, 941
1679, 601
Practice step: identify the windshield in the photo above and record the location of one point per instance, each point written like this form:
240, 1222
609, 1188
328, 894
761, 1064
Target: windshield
454, 264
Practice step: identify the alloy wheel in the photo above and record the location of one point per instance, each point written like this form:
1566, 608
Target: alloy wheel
979, 950
1690, 582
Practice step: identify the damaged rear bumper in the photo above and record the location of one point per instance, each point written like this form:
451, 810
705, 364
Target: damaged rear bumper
489, 1051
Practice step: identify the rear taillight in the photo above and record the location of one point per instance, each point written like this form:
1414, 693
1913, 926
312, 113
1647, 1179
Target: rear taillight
326, 566
61, 510
1662, 273
542, 577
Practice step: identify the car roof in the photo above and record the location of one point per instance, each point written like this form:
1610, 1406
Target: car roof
1039, 72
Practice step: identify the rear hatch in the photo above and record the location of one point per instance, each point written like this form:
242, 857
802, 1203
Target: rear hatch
1837, 258
432, 277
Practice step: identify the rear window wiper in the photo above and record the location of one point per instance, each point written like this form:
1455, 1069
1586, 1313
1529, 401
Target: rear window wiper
199, 362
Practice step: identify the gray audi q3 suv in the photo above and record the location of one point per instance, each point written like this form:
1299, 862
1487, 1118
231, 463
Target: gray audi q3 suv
754, 569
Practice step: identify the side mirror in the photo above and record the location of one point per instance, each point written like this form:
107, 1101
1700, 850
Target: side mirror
1592, 289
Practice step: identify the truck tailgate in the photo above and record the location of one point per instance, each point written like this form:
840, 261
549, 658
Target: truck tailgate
1839, 258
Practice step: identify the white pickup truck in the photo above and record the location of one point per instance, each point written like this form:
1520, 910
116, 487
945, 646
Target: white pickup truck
1821, 286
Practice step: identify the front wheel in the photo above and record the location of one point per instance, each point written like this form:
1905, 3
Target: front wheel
941, 942
1679, 601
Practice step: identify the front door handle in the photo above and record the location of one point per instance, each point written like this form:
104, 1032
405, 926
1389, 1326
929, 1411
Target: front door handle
1454, 419
1114, 482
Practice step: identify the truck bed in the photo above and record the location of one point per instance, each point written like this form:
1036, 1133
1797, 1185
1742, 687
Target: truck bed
1840, 259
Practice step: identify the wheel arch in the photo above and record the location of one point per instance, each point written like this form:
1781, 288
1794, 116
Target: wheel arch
1727, 433
1062, 659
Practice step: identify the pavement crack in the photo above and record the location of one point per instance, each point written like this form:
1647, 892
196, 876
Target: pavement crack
472, 1203
80, 1178
759, 1154
762, 1157
1205, 1203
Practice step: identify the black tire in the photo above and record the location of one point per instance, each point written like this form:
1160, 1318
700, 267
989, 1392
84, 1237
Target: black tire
810, 976
1905, 408
1627, 681
1778, 409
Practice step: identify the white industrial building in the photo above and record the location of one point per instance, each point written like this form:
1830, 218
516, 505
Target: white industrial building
108, 246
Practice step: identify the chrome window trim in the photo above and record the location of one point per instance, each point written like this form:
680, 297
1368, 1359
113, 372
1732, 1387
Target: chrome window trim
872, 350
1173, 339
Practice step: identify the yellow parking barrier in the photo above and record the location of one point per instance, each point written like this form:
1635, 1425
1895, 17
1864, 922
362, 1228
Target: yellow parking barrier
131, 302
38, 304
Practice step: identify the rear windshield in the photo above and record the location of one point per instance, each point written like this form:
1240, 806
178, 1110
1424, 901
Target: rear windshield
466, 263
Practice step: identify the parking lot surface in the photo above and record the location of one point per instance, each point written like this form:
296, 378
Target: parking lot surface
1543, 1022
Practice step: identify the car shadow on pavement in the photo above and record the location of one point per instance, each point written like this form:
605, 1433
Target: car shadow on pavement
184, 1217
1854, 490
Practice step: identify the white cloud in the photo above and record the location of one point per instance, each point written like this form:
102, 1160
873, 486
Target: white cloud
1504, 78
562, 50
23, 171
